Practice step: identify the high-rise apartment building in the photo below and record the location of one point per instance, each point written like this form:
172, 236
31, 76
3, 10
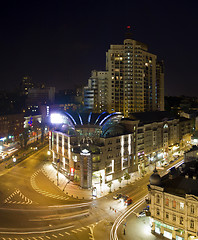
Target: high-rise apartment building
96, 93
134, 79
26, 84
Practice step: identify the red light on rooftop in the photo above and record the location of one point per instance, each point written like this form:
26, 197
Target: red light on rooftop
128, 27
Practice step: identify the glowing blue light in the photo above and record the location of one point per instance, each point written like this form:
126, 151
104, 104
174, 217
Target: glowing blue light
89, 118
74, 122
81, 122
99, 116
104, 119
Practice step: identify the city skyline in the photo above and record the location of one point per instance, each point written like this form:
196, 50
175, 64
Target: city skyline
60, 44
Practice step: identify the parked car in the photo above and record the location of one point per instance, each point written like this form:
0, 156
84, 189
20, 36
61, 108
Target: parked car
128, 201
160, 168
141, 214
117, 196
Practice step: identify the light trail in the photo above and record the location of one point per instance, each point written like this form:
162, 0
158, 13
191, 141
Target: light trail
58, 217
38, 232
40, 209
176, 165
122, 216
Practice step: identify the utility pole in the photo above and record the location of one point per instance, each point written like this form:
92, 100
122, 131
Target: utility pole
58, 164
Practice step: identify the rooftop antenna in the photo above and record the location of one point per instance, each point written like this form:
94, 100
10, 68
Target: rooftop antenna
128, 33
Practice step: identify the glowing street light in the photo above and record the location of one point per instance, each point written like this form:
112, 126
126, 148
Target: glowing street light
56, 118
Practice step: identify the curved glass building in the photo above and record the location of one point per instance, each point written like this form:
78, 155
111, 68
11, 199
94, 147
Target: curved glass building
91, 147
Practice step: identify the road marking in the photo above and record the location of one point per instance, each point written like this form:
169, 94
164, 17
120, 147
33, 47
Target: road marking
79, 230
36, 188
61, 234
73, 231
17, 192
67, 233
54, 235
84, 228
47, 237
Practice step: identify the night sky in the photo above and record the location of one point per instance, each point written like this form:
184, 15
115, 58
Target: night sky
60, 42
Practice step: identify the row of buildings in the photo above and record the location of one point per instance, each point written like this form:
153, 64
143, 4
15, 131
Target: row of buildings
101, 147
174, 200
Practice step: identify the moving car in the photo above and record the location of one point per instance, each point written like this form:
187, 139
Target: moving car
128, 201
141, 214
117, 196
125, 197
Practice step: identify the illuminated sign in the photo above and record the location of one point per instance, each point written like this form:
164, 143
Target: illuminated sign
72, 171
85, 152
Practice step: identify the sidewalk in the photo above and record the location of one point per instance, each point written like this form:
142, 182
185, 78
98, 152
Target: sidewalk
73, 190
70, 188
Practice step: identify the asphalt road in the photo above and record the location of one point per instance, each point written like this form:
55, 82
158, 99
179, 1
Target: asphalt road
32, 207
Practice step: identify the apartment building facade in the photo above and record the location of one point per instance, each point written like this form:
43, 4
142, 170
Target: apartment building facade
134, 79
109, 144
174, 202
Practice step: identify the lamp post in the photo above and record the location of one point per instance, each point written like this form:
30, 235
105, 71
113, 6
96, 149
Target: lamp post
58, 164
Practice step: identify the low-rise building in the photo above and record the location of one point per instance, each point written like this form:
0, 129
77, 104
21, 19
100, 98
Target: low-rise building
105, 146
174, 202
11, 125
94, 145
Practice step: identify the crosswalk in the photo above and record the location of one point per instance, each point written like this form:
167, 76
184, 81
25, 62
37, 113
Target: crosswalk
43, 192
54, 235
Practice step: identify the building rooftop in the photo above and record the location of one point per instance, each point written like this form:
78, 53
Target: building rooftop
193, 148
183, 180
149, 117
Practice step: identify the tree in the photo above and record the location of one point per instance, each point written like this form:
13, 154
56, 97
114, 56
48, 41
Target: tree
120, 181
21, 140
127, 176
24, 137
109, 185
42, 130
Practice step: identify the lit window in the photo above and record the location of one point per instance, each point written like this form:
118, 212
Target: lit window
181, 206
174, 204
167, 202
181, 220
